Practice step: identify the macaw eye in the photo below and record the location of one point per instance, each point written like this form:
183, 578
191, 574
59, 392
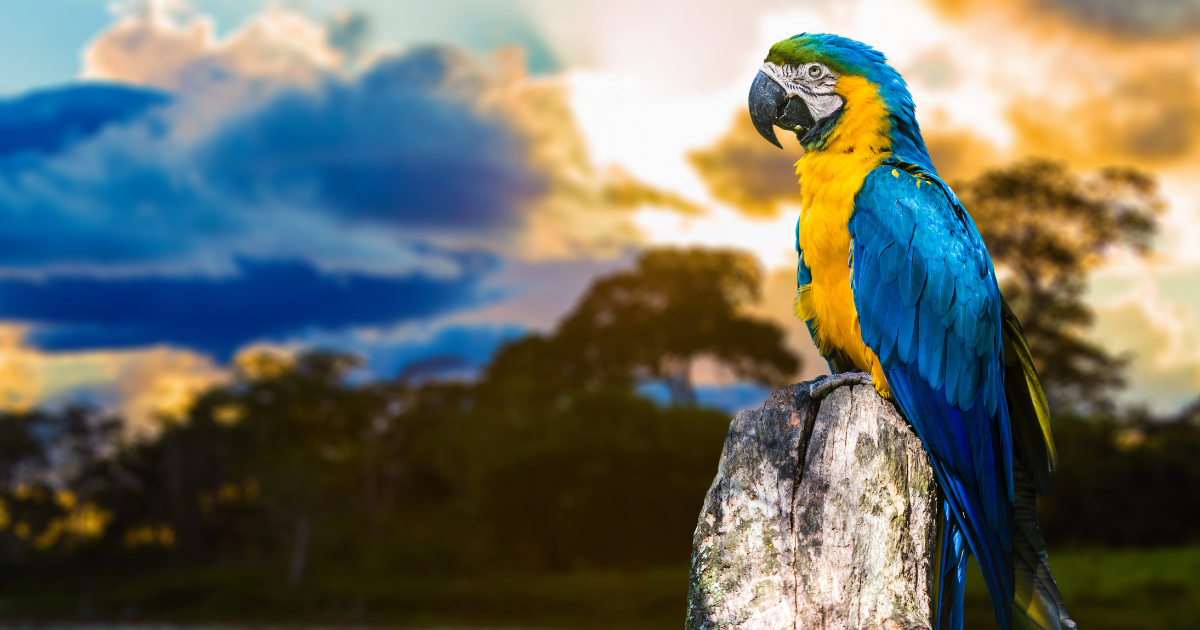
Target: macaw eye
814, 71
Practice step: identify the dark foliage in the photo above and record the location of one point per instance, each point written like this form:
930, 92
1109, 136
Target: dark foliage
1134, 481
385, 477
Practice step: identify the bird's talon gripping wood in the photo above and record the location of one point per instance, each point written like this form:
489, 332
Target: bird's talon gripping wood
809, 397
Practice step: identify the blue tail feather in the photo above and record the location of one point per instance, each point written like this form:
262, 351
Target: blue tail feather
952, 580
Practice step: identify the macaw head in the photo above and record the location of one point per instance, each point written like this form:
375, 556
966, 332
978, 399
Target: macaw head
806, 81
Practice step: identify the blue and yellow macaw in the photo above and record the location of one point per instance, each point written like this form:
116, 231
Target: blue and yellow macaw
897, 289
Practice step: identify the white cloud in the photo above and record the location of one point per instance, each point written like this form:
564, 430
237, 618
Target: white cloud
161, 43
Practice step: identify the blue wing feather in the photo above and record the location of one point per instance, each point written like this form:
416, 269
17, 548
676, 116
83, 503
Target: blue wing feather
954, 361
912, 281
928, 305
907, 334
931, 356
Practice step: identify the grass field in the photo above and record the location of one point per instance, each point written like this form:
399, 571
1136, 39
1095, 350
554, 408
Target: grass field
1104, 589
1151, 589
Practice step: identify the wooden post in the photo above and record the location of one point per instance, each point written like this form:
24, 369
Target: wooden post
830, 525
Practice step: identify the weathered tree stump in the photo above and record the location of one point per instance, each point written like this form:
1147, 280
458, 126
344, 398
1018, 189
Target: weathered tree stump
831, 525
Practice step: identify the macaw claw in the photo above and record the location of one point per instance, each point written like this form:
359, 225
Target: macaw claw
808, 399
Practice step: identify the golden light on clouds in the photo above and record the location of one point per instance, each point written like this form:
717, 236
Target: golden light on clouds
161, 384
585, 209
1092, 82
1160, 340
748, 173
264, 361
147, 385
20, 387
1150, 117
960, 154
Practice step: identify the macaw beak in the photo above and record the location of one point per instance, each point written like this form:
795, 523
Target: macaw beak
770, 106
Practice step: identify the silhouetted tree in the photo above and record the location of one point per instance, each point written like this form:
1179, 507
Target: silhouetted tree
1046, 229
652, 323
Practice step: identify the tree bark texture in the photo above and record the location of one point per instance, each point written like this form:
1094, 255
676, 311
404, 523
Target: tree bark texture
830, 525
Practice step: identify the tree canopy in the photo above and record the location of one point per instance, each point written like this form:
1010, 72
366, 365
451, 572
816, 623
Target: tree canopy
654, 321
1046, 230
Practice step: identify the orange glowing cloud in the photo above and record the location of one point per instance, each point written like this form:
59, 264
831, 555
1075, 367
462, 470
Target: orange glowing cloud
1093, 82
1148, 117
749, 173
585, 209
958, 154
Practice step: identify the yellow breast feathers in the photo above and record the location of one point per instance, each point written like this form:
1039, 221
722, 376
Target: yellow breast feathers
830, 177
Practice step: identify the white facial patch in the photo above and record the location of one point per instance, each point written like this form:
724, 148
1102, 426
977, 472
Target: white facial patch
817, 93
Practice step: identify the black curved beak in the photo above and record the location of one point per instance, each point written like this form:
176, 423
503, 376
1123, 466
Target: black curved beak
771, 107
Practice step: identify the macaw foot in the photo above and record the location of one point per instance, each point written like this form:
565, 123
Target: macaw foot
808, 399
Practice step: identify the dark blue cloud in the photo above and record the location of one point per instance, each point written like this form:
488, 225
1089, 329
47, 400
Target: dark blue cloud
266, 300
134, 217
398, 146
89, 177
48, 121
123, 211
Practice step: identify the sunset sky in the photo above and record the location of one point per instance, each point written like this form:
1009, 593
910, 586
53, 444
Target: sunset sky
408, 179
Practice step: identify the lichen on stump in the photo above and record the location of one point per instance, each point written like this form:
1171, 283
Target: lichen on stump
830, 525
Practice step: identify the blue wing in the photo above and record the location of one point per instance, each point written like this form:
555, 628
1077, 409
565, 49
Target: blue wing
929, 306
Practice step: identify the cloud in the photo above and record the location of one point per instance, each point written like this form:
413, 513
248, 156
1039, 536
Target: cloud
156, 384
264, 301
131, 217
958, 154
395, 147
48, 122
585, 209
1150, 116
348, 32
147, 384
1092, 82
1141, 19
358, 173
160, 43
745, 171
1144, 18
258, 189
1161, 340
